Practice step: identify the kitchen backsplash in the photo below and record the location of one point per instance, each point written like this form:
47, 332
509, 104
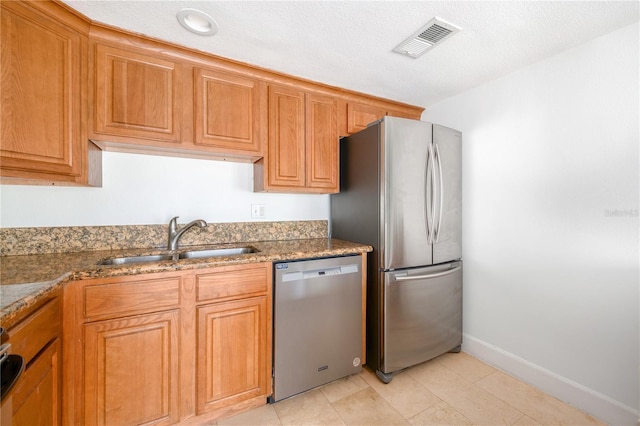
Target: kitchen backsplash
20, 241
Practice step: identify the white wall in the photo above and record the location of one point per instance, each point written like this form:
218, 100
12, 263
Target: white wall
550, 227
144, 189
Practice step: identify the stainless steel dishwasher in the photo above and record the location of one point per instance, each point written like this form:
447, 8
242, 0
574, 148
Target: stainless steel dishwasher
317, 323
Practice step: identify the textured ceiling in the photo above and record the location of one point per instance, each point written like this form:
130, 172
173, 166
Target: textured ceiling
349, 43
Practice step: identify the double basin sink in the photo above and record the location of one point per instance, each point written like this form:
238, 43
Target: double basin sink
190, 254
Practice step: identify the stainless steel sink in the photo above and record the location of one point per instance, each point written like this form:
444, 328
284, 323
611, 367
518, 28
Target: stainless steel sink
201, 254
191, 254
137, 259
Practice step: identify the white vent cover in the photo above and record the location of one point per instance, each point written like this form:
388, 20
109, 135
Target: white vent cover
434, 32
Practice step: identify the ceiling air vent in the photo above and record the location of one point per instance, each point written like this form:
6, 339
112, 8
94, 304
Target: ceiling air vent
434, 32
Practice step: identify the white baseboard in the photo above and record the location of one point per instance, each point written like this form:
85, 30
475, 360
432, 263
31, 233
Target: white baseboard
588, 400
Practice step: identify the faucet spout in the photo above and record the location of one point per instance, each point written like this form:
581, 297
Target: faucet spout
175, 233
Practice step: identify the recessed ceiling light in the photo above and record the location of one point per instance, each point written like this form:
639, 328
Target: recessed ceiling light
197, 22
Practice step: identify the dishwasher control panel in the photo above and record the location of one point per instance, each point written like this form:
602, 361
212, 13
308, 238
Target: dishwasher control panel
318, 273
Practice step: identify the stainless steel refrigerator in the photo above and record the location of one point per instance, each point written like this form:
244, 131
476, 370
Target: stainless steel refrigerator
400, 192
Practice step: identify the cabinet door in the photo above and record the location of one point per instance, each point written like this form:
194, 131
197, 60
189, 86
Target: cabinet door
360, 115
322, 143
131, 370
286, 152
232, 353
227, 110
41, 95
36, 396
136, 95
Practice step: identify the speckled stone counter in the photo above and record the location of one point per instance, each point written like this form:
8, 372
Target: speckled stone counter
27, 279
19, 241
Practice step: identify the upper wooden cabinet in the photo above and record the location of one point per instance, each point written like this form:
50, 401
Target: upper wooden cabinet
136, 95
43, 81
158, 102
303, 143
322, 144
359, 115
286, 151
228, 110
67, 81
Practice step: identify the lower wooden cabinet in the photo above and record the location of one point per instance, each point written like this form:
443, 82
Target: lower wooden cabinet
164, 348
232, 353
35, 399
131, 370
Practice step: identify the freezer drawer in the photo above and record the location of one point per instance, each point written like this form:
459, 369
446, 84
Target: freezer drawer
317, 323
422, 314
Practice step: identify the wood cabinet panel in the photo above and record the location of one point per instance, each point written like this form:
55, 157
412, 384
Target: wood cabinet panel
119, 297
228, 110
232, 282
322, 143
132, 370
302, 155
43, 72
286, 152
36, 396
232, 353
136, 94
360, 115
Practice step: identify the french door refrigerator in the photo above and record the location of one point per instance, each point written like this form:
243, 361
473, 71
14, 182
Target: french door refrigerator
400, 192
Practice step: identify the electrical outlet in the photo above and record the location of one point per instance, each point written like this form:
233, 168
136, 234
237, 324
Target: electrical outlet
257, 211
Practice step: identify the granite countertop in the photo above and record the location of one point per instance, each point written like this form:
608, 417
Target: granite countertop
27, 279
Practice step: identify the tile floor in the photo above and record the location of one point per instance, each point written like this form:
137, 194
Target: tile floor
453, 389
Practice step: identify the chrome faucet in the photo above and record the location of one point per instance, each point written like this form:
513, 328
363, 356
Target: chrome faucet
175, 234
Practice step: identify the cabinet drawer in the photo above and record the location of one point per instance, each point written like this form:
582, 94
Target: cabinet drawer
232, 281
31, 335
121, 297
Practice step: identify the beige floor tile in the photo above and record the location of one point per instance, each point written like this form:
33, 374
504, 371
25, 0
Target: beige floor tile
367, 407
483, 408
438, 379
344, 387
465, 365
541, 407
437, 392
309, 408
404, 393
265, 415
526, 421
440, 414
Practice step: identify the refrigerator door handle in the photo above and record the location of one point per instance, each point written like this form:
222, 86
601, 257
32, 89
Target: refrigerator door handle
428, 276
440, 197
432, 197
428, 195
